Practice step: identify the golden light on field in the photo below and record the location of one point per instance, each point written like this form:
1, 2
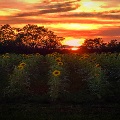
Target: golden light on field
73, 42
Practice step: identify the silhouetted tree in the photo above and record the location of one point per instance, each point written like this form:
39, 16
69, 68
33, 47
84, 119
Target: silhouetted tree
30, 36
40, 37
112, 43
7, 33
93, 43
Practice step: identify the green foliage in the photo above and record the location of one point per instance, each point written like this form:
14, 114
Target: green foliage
79, 70
65, 77
110, 68
7, 64
29, 78
57, 76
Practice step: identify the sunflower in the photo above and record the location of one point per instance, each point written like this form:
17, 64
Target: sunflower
58, 59
37, 54
6, 53
97, 65
20, 67
81, 58
53, 54
22, 64
56, 73
6, 56
60, 63
27, 56
86, 55
24, 55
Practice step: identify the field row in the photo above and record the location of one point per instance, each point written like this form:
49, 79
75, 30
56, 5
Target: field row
64, 77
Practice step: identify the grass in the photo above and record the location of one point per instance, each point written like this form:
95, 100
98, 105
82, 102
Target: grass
38, 111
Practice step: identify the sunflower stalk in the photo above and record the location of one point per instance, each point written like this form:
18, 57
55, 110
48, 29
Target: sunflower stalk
56, 74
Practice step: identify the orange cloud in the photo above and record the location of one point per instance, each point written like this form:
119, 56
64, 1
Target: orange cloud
66, 18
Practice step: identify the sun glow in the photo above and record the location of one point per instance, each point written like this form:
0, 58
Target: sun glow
74, 26
74, 48
4, 13
90, 6
30, 1
73, 42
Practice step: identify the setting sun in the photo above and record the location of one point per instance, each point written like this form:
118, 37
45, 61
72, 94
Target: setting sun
74, 19
73, 42
74, 48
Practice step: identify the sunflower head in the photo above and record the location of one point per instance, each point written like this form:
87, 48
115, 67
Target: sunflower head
60, 63
6, 56
85, 56
81, 58
37, 54
22, 64
27, 56
56, 73
58, 59
97, 65
20, 67
53, 54
6, 53
49, 55
24, 55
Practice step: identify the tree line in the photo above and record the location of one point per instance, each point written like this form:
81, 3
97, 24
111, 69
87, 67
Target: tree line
33, 38
98, 45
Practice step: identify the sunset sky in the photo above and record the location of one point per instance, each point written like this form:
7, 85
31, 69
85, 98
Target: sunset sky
73, 19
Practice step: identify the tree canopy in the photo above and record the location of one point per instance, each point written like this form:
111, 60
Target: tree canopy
30, 35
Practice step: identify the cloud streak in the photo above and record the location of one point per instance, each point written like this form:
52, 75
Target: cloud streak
105, 33
55, 8
63, 16
105, 15
5, 4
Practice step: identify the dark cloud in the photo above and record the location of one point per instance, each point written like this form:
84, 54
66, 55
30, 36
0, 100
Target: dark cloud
76, 33
108, 3
105, 15
110, 31
63, 9
111, 3
105, 32
22, 20
54, 20
56, 5
51, 8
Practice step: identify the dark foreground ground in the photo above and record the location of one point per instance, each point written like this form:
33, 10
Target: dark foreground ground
37, 111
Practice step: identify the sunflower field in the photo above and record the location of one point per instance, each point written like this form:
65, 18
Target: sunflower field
60, 77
